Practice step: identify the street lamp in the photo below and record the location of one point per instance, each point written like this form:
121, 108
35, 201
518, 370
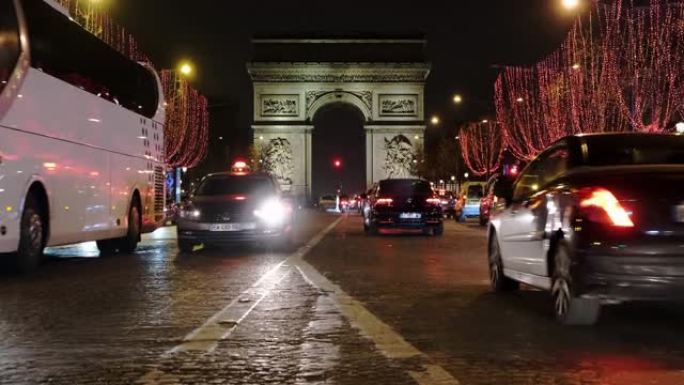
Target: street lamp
485, 121
458, 99
570, 4
186, 69
679, 128
434, 120
466, 175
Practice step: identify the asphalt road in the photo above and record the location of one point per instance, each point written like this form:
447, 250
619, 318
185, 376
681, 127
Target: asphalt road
344, 308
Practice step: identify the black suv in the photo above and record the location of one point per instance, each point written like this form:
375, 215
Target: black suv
403, 204
230, 207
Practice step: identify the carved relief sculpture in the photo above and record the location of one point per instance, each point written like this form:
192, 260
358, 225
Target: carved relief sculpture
398, 105
278, 161
400, 157
279, 105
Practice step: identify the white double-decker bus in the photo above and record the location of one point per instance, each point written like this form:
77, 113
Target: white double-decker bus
81, 137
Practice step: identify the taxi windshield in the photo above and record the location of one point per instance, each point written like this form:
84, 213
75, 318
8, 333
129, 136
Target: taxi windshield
231, 185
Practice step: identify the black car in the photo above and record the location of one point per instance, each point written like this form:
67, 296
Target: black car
403, 204
595, 219
233, 207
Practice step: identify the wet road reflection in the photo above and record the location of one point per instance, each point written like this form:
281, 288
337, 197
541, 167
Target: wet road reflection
435, 292
82, 310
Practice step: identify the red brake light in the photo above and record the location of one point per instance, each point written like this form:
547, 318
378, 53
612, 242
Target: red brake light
600, 198
384, 201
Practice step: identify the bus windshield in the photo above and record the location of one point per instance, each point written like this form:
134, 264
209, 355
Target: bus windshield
9, 41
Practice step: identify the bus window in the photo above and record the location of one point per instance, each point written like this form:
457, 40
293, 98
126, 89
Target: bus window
63, 49
9, 41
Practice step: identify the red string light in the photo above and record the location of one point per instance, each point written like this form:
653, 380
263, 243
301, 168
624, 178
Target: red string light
187, 121
482, 146
620, 68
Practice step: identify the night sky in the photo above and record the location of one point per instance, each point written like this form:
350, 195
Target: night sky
466, 40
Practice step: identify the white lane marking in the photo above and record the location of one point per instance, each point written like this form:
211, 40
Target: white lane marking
318, 354
433, 375
156, 376
220, 325
389, 342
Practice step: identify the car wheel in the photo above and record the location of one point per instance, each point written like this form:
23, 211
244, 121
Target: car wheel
186, 246
569, 309
286, 241
371, 229
499, 282
107, 246
129, 243
31, 237
438, 230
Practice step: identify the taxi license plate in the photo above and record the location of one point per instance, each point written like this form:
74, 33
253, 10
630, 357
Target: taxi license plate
232, 227
679, 213
410, 216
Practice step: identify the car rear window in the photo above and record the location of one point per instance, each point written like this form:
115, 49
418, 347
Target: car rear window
231, 185
405, 187
625, 150
475, 192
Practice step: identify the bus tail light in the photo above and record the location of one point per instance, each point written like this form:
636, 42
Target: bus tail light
600, 205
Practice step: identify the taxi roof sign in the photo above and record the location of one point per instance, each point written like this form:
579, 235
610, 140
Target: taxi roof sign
240, 168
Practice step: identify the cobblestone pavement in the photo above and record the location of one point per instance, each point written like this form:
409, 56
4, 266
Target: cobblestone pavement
121, 320
435, 293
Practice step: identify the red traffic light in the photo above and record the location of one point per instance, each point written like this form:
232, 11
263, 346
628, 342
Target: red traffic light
337, 163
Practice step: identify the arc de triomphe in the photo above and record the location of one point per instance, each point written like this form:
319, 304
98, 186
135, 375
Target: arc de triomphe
288, 94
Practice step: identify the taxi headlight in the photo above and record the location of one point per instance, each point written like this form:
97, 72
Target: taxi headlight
272, 212
190, 213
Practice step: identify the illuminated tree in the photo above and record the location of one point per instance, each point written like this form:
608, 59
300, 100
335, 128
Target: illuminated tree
620, 68
93, 16
520, 111
647, 62
482, 146
187, 121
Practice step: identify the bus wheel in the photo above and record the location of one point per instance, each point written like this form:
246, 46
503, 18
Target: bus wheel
129, 243
107, 246
32, 237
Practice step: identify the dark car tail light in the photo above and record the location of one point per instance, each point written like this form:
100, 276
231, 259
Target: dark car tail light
434, 201
384, 202
598, 204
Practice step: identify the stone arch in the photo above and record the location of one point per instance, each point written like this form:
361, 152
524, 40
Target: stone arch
344, 97
389, 96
